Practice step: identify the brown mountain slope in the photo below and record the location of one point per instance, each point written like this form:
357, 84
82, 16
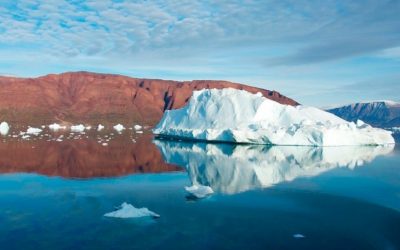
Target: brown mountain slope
91, 98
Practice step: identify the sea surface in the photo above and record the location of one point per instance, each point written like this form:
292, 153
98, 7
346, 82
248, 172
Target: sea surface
56, 187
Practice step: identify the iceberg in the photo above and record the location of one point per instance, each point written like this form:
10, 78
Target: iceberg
33, 131
231, 168
126, 210
119, 127
237, 116
78, 128
199, 191
4, 128
56, 127
100, 127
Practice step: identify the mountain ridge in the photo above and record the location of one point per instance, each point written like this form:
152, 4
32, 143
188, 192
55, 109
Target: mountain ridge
384, 113
90, 97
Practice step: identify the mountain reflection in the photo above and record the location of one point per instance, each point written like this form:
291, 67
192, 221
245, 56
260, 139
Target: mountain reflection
83, 158
230, 169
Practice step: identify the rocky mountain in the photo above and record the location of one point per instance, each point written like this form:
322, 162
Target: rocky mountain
384, 114
92, 97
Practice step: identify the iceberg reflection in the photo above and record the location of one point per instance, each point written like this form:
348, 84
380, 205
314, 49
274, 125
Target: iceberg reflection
230, 169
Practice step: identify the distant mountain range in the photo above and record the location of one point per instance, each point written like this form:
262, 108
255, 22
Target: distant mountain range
92, 98
384, 114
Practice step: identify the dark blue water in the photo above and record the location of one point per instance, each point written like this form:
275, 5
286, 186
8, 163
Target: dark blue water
342, 198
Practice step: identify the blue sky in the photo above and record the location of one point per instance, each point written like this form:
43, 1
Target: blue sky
318, 52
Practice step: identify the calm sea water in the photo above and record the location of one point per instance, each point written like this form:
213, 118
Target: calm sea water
53, 195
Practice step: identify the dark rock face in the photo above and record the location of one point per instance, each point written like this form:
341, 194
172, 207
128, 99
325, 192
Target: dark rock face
384, 114
91, 97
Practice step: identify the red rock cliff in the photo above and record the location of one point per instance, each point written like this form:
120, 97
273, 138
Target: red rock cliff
91, 97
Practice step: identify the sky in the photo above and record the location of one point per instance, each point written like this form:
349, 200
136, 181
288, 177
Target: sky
320, 53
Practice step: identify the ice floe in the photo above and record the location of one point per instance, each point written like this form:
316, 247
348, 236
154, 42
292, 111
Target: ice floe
56, 127
126, 210
78, 128
4, 128
199, 191
100, 127
298, 236
238, 116
138, 127
119, 127
33, 131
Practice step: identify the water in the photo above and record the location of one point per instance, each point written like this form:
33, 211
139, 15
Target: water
53, 195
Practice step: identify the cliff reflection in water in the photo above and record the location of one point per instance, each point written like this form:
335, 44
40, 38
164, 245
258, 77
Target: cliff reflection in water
230, 169
83, 158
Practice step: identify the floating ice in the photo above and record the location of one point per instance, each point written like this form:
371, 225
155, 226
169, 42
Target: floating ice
126, 210
137, 127
4, 128
33, 131
56, 127
78, 128
119, 127
100, 127
238, 116
230, 168
199, 191
298, 236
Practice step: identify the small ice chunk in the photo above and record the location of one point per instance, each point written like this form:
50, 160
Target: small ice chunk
100, 127
25, 137
298, 236
33, 131
137, 127
88, 127
104, 144
139, 132
199, 191
78, 128
119, 127
126, 210
4, 128
56, 127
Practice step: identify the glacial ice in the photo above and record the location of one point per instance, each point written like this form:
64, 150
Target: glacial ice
100, 127
78, 128
230, 168
56, 127
119, 127
33, 131
137, 127
126, 210
232, 115
199, 191
4, 128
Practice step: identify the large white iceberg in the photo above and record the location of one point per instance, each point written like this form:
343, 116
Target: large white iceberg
126, 210
230, 169
238, 116
4, 128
